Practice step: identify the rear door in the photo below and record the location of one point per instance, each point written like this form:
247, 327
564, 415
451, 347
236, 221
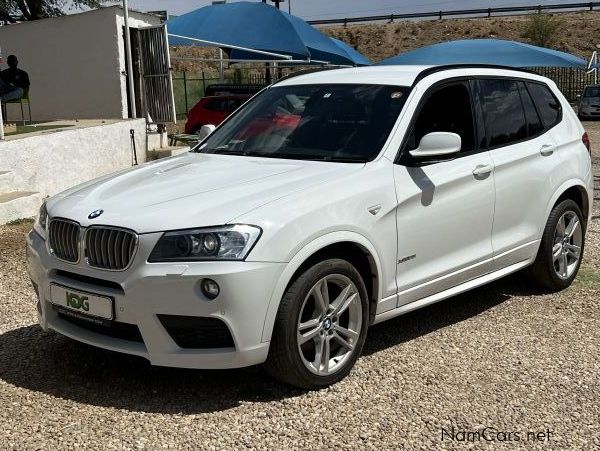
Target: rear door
524, 156
445, 208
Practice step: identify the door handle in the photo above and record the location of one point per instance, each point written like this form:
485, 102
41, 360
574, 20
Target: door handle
546, 150
481, 171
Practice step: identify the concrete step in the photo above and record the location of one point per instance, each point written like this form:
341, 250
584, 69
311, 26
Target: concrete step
6, 181
19, 205
165, 152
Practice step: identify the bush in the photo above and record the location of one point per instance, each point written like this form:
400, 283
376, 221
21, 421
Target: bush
542, 29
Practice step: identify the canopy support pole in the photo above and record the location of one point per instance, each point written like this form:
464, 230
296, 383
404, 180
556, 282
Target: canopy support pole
221, 67
128, 61
235, 47
593, 66
238, 60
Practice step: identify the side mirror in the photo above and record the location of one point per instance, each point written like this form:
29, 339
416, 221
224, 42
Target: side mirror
436, 144
205, 130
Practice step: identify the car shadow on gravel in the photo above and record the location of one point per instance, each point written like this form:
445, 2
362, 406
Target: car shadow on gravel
49, 363
445, 313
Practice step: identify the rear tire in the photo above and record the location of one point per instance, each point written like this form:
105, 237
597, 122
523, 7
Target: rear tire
321, 326
561, 248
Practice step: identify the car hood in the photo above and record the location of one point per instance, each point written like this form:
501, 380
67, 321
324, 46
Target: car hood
190, 190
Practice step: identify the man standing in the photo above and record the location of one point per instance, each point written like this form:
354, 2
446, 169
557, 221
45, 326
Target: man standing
14, 81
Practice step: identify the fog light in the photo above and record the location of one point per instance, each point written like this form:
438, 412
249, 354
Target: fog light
210, 288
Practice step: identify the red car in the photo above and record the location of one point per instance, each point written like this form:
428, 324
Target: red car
213, 110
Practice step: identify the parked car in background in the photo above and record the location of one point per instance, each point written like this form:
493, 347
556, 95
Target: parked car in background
213, 110
589, 103
219, 101
329, 202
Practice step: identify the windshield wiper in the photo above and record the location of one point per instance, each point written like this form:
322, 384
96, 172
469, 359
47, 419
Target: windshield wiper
347, 159
228, 151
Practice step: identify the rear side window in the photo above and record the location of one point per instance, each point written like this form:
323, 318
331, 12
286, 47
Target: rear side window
534, 123
224, 105
546, 103
503, 112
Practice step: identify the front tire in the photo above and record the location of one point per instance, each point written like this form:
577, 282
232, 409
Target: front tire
321, 326
561, 249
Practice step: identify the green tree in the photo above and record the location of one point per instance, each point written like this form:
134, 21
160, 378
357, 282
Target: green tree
13, 10
542, 29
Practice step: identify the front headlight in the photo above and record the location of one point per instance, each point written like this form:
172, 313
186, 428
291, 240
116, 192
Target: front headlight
232, 242
41, 222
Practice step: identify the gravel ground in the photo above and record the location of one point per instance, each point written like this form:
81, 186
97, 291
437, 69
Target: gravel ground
501, 356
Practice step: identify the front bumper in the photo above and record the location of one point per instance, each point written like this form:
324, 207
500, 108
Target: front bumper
147, 290
589, 111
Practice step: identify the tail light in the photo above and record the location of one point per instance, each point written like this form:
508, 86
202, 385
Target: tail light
586, 142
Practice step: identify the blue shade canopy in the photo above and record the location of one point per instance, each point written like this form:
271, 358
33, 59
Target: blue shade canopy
358, 58
487, 51
246, 26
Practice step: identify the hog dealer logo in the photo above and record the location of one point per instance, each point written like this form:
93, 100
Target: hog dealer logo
77, 302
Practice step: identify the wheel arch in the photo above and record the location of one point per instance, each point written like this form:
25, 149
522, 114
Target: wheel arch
574, 190
350, 246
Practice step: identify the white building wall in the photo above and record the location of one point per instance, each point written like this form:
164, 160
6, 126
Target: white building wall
75, 63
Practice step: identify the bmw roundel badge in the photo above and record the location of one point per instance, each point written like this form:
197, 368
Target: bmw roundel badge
94, 214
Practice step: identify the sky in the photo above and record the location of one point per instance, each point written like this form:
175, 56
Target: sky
326, 9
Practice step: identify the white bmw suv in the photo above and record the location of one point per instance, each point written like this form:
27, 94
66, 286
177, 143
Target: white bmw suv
329, 202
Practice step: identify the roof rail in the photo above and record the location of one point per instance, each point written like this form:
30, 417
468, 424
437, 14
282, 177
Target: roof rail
433, 69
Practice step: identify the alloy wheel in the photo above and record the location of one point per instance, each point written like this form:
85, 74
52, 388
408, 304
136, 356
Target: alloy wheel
566, 250
329, 324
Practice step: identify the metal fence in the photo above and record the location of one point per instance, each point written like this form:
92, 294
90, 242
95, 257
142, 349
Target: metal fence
190, 88
480, 12
570, 81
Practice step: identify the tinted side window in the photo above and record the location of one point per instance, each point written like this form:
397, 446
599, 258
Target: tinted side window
220, 105
534, 123
448, 109
547, 104
503, 112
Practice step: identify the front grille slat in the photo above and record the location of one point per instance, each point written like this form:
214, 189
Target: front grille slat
118, 242
75, 239
124, 247
96, 245
110, 247
110, 244
61, 240
64, 239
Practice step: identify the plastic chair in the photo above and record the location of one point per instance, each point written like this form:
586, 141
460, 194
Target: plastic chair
21, 101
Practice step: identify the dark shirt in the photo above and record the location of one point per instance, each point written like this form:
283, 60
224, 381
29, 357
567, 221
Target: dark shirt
15, 77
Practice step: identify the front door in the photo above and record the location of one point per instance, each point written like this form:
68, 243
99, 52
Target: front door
445, 208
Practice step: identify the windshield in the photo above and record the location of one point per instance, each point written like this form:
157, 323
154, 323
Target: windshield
314, 122
592, 91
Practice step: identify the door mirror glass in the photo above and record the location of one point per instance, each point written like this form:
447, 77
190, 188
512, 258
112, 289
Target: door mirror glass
437, 144
205, 130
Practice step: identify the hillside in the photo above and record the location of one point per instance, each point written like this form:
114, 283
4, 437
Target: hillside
579, 34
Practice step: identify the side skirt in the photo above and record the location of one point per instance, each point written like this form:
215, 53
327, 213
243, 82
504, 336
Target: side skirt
474, 283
